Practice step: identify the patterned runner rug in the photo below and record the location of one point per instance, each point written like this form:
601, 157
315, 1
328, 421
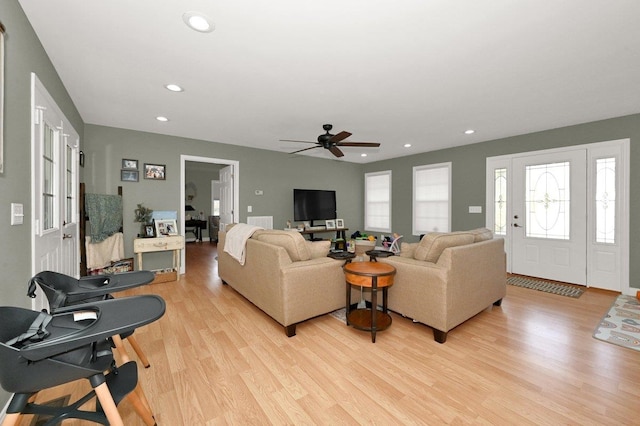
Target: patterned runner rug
546, 286
621, 325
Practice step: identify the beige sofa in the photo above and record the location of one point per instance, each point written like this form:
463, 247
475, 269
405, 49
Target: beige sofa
289, 278
448, 278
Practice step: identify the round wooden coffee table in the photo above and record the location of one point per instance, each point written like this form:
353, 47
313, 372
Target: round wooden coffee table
371, 275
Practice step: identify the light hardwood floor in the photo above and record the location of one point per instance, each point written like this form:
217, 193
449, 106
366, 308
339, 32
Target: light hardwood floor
217, 359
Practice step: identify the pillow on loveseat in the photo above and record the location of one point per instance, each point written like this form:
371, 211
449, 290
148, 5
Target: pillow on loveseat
432, 245
292, 241
408, 249
481, 234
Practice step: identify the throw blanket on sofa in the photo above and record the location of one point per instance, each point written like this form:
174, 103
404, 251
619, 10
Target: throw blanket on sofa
236, 240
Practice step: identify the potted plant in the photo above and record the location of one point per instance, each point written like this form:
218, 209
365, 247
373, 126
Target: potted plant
142, 216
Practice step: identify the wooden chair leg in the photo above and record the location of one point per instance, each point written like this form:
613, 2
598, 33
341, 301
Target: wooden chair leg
138, 350
11, 419
108, 405
141, 406
140, 395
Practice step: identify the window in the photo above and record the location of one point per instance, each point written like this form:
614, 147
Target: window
605, 200
377, 201
432, 198
500, 201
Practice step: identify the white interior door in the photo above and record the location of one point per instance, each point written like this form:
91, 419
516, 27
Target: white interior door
549, 224
54, 157
226, 196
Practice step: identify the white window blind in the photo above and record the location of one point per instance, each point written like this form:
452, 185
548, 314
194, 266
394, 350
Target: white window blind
432, 198
377, 208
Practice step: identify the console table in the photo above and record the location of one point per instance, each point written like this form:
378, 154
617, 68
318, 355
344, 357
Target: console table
172, 243
340, 232
195, 226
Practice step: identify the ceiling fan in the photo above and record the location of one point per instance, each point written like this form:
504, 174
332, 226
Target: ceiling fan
332, 142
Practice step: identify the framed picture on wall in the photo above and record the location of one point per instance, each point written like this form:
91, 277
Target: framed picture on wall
129, 164
129, 175
154, 171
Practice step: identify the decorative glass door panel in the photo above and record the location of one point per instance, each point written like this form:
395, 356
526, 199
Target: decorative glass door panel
548, 201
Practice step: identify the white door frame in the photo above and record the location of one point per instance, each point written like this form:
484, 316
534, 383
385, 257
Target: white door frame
236, 189
623, 146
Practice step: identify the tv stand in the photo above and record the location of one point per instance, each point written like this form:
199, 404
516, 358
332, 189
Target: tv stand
340, 233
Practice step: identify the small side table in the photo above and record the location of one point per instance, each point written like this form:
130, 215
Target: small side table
372, 275
171, 243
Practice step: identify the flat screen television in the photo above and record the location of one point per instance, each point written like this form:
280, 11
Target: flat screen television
313, 204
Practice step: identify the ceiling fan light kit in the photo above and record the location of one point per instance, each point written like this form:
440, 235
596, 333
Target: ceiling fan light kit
331, 142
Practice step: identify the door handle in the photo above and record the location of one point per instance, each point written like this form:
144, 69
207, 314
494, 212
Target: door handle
515, 225
66, 236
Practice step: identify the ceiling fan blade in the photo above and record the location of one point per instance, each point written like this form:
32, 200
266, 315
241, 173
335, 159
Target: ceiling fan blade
305, 149
336, 151
293, 140
366, 144
340, 136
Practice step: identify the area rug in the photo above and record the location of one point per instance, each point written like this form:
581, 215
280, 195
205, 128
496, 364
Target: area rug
621, 325
546, 286
340, 314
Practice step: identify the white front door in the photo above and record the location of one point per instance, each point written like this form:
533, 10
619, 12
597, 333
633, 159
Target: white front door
564, 213
549, 224
54, 157
226, 196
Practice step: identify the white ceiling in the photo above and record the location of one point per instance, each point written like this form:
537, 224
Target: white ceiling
394, 72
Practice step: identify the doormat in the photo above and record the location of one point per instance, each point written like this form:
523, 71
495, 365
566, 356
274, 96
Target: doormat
621, 325
57, 403
546, 286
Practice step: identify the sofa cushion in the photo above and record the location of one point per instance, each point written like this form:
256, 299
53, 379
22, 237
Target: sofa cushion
481, 234
292, 241
432, 245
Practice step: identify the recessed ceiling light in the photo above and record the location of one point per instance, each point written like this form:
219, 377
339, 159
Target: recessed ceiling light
198, 22
174, 88
469, 132
363, 155
161, 118
407, 145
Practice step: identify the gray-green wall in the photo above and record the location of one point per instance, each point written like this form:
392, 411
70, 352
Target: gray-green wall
468, 173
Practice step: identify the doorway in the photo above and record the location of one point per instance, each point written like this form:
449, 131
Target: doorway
564, 213
229, 187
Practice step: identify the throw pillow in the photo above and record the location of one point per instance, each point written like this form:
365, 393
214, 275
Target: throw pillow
481, 234
432, 245
293, 242
408, 249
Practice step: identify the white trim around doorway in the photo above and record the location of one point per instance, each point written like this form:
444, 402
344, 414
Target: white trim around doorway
236, 189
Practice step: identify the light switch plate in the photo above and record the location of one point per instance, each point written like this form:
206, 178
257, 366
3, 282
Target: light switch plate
475, 209
17, 214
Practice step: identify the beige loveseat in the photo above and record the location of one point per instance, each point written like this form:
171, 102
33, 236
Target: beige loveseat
448, 278
289, 278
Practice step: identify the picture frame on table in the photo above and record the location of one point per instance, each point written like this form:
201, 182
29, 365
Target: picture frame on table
166, 227
339, 223
129, 175
155, 171
128, 164
330, 224
149, 232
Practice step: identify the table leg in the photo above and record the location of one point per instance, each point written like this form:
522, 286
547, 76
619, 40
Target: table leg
348, 307
139, 261
374, 308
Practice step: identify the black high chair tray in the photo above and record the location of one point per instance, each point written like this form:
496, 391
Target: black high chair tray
75, 326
